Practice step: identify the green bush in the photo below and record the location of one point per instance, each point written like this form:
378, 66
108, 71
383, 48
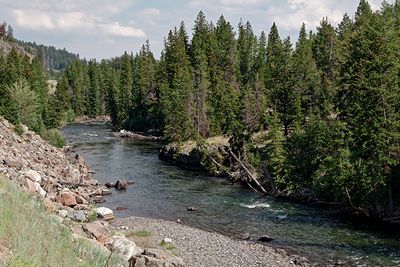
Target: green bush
54, 137
26, 104
18, 129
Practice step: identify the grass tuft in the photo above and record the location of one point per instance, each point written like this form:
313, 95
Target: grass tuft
167, 246
140, 233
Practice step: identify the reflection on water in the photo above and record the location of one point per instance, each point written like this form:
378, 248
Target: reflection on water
165, 191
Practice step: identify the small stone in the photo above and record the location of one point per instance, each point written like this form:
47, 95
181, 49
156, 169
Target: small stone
63, 213
265, 239
245, 236
192, 209
120, 185
105, 213
52, 196
130, 182
81, 207
167, 240
33, 176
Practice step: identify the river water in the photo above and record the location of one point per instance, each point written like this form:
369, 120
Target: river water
165, 191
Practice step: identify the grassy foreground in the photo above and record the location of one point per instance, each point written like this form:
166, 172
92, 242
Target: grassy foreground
37, 239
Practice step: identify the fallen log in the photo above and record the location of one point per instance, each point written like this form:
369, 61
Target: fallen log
254, 179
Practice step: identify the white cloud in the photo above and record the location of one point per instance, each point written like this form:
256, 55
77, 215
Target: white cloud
150, 12
33, 20
240, 2
115, 29
38, 20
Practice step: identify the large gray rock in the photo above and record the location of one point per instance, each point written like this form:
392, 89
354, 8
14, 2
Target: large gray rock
77, 215
167, 258
105, 213
125, 248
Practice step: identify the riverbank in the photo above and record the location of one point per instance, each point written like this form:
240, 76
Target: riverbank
201, 248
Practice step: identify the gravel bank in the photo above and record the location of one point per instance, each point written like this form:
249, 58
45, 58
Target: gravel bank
202, 248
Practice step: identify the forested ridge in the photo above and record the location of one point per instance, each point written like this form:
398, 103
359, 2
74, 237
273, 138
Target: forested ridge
328, 103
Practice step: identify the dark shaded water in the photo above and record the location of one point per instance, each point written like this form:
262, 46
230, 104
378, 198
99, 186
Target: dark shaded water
165, 191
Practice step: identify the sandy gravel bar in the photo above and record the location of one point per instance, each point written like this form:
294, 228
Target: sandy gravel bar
201, 248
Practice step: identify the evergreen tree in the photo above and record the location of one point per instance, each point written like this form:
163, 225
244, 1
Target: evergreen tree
199, 49
224, 92
306, 80
125, 90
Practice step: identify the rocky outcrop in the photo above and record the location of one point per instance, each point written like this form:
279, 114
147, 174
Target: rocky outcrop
58, 176
207, 156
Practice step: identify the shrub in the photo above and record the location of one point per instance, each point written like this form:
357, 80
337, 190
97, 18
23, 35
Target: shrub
54, 137
26, 104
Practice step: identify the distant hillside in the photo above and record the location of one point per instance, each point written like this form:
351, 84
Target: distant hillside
6, 47
51, 57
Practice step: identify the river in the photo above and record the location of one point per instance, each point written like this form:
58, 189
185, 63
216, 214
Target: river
165, 191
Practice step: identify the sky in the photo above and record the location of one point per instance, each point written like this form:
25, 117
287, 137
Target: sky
106, 28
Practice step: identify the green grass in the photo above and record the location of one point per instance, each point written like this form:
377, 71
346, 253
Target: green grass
37, 239
167, 246
140, 233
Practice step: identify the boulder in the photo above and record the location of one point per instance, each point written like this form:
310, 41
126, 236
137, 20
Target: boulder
265, 239
167, 258
49, 205
125, 248
97, 230
67, 198
77, 215
120, 185
33, 176
109, 184
105, 213
192, 209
